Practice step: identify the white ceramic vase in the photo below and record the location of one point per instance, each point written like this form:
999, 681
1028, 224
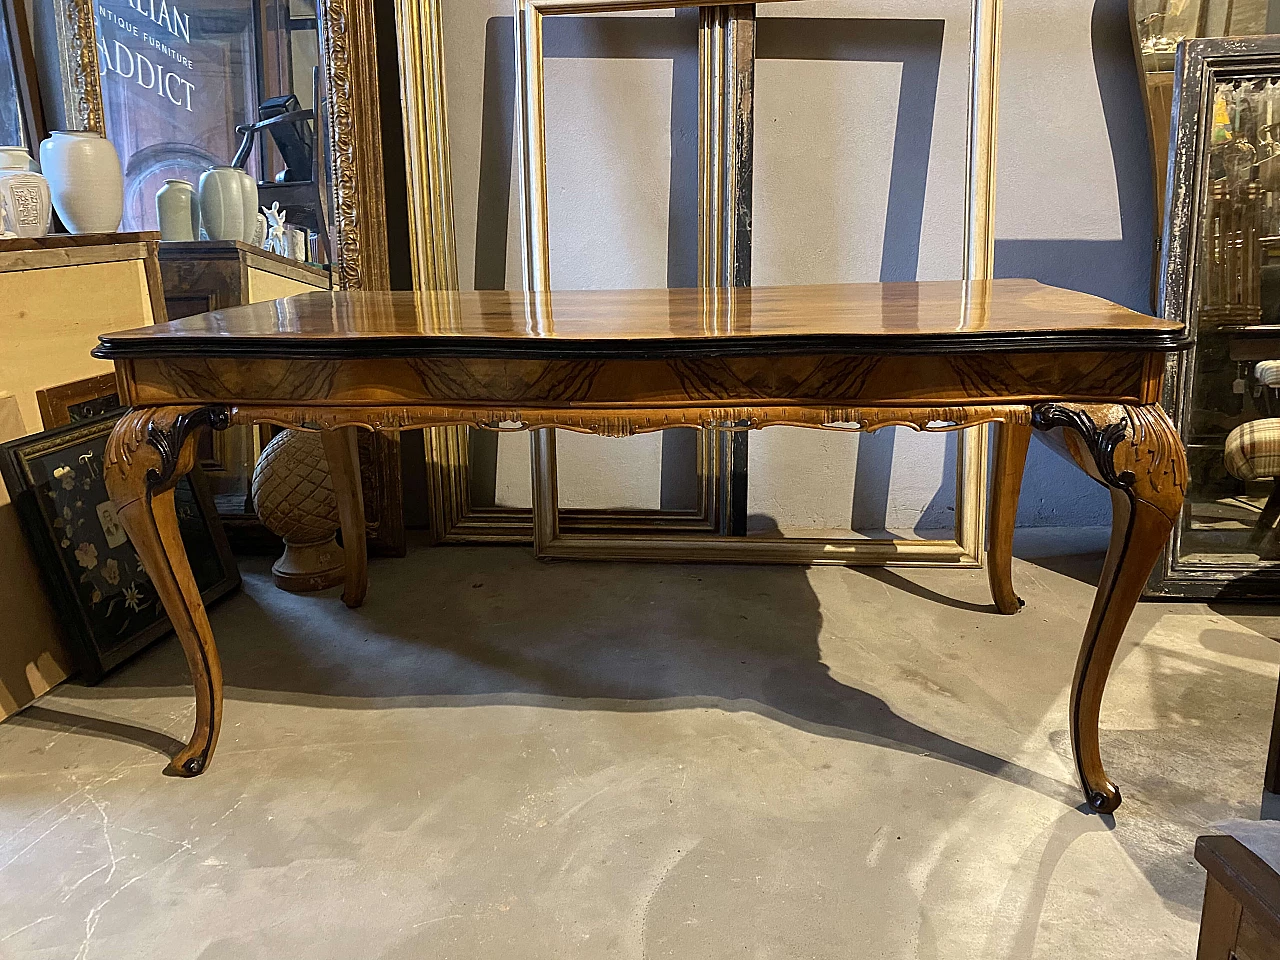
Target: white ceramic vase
17, 158
228, 203
178, 211
222, 208
24, 203
85, 180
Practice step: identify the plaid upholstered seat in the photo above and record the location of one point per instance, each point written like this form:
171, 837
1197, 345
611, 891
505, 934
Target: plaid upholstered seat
1253, 450
1267, 373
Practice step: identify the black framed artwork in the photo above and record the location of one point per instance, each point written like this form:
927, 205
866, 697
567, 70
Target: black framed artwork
105, 599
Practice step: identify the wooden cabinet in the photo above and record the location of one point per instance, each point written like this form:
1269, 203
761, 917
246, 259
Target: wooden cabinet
1241, 917
59, 293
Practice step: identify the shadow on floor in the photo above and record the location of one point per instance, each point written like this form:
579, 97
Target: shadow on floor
888, 658
463, 626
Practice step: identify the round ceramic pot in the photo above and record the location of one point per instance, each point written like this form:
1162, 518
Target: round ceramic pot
222, 204
178, 211
17, 158
25, 203
249, 197
83, 170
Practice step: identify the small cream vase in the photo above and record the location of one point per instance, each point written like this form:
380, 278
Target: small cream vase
178, 211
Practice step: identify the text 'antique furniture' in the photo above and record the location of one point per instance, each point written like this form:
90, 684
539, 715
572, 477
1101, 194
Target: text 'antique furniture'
933, 355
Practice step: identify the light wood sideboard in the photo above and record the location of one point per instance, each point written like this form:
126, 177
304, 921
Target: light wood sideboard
59, 293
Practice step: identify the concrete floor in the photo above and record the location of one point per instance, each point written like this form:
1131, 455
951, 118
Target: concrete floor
497, 758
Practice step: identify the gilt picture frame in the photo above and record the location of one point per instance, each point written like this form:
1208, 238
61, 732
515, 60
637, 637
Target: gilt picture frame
68, 67
71, 77
455, 516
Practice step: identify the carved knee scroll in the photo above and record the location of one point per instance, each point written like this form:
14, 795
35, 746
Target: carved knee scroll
1136, 453
149, 451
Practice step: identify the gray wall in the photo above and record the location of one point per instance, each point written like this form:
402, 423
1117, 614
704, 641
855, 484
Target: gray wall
860, 125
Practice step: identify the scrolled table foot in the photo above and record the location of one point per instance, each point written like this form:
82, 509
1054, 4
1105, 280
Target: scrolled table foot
191, 766
148, 453
1136, 453
1006, 484
1104, 800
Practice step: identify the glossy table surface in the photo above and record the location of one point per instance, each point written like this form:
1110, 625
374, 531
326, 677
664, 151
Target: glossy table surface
927, 317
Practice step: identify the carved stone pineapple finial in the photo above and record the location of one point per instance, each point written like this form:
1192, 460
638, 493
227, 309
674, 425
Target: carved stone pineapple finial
293, 496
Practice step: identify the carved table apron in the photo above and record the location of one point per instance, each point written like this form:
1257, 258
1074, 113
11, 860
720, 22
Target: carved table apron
933, 355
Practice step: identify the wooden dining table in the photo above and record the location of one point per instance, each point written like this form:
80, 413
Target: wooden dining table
934, 355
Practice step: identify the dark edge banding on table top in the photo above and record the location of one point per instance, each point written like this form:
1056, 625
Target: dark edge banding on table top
373, 347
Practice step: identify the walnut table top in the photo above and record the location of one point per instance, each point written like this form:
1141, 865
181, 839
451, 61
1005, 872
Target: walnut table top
938, 316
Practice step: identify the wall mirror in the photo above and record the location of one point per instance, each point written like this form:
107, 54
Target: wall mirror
698, 68
173, 86
178, 80
1221, 276
1158, 27
170, 83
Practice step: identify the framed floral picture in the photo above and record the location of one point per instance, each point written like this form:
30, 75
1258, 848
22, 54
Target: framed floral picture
106, 601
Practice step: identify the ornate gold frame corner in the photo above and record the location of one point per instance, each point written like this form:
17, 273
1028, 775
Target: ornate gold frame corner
347, 41
73, 90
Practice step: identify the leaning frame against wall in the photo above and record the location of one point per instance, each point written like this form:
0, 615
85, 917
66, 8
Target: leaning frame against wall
70, 76
454, 518
550, 536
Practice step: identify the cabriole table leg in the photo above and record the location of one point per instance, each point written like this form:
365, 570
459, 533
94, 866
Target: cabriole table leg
149, 451
342, 452
1136, 453
1012, 441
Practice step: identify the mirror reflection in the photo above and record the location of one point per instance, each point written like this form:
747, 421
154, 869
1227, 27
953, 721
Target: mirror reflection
12, 130
197, 84
1230, 383
1233, 392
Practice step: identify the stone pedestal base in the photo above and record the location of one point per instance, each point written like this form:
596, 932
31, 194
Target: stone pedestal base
306, 567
